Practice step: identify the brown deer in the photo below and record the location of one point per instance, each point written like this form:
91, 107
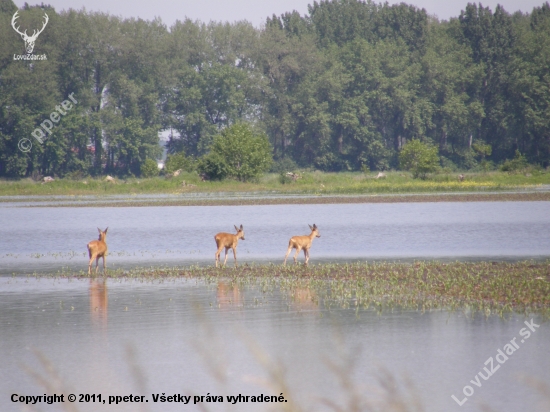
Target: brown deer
97, 249
302, 242
228, 241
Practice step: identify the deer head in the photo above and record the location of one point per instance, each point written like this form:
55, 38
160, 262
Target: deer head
29, 40
315, 230
102, 234
240, 232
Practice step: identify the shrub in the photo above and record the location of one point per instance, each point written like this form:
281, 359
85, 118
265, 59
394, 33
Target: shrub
519, 162
237, 152
149, 168
286, 164
213, 166
284, 179
419, 158
178, 161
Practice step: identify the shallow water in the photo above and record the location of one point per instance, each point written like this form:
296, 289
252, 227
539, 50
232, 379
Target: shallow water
142, 338
47, 239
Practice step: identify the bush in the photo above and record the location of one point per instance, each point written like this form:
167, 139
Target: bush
178, 161
237, 152
519, 162
286, 164
284, 179
149, 168
419, 158
447, 164
213, 166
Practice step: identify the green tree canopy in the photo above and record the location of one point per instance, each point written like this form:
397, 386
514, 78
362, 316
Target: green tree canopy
419, 158
237, 152
345, 85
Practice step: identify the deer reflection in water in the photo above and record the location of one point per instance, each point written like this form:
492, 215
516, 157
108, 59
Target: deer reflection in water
228, 295
304, 299
98, 301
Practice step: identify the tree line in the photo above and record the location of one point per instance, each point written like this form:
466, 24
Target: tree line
343, 87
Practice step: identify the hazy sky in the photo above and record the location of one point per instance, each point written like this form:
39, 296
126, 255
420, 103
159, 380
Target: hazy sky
255, 11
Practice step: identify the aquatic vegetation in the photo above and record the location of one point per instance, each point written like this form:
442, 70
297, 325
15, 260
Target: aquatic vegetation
489, 288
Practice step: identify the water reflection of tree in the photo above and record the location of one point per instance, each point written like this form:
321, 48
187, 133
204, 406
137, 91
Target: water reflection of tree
98, 301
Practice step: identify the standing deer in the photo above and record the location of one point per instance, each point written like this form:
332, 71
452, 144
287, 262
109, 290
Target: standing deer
227, 241
97, 249
302, 242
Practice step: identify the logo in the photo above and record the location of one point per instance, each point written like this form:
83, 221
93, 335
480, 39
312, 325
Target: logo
29, 40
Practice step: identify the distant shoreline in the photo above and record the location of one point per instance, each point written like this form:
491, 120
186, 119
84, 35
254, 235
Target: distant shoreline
285, 200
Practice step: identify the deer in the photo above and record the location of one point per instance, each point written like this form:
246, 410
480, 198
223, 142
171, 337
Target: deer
302, 242
228, 241
97, 249
29, 40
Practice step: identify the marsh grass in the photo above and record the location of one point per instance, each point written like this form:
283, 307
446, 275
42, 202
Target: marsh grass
309, 183
489, 288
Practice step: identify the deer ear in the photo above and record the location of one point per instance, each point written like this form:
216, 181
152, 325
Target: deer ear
236, 228
310, 226
99, 230
314, 226
241, 227
106, 230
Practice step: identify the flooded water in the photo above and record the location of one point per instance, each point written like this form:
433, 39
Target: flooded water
117, 338
48, 238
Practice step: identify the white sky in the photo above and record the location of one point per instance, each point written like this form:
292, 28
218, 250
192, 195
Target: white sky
255, 11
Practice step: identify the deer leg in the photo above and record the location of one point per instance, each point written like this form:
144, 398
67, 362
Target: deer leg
296, 254
96, 263
235, 255
225, 260
104, 269
217, 255
306, 256
287, 253
90, 265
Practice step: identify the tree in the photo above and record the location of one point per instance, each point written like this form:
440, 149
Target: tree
179, 161
419, 158
149, 168
237, 152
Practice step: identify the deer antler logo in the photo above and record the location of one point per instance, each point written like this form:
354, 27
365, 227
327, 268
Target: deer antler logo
29, 40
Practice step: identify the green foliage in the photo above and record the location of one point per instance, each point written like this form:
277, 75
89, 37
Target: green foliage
179, 161
283, 165
482, 150
237, 152
284, 179
309, 183
419, 158
149, 168
338, 88
447, 164
518, 163
214, 166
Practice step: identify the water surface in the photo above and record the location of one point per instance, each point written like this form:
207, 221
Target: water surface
122, 337
47, 239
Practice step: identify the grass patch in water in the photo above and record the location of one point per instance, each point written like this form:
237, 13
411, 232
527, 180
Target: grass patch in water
475, 287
